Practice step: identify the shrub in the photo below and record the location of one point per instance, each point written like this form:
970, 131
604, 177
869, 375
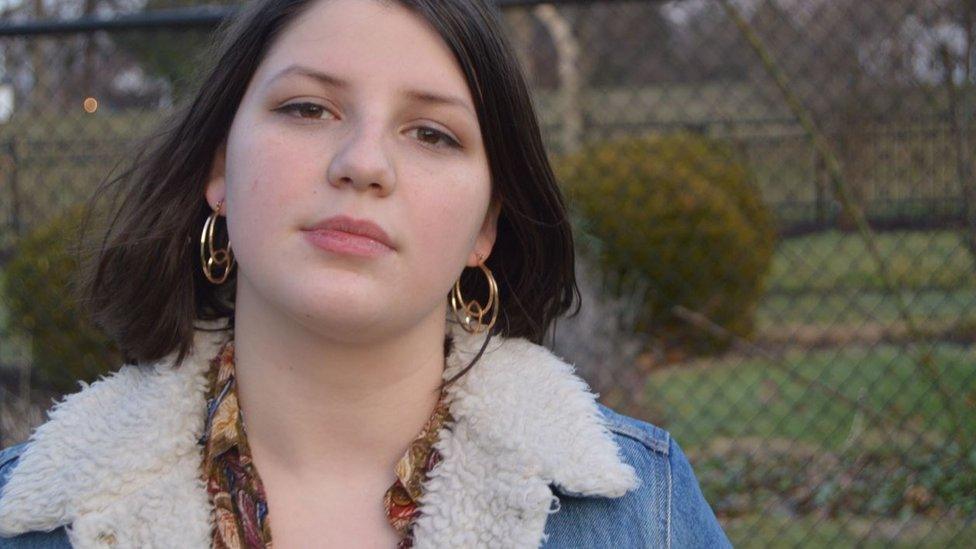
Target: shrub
39, 293
681, 213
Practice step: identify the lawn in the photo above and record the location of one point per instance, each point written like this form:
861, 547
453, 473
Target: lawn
786, 462
760, 398
782, 444
772, 530
834, 260
854, 308
830, 279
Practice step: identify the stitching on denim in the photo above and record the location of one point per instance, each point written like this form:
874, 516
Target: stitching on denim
668, 516
651, 436
641, 436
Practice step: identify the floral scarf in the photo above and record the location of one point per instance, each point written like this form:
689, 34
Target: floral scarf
240, 508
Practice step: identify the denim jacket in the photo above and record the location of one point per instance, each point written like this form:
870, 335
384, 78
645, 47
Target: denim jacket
530, 460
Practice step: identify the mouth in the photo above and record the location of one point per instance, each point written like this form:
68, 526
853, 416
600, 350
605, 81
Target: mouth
345, 227
347, 236
345, 243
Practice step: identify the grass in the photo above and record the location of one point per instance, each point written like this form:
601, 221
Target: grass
854, 308
790, 446
834, 260
789, 531
799, 441
752, 397
830, 279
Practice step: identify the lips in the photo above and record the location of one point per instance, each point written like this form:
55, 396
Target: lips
358, 227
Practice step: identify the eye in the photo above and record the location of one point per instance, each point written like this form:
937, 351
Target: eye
437, 135
304, 107
316, 111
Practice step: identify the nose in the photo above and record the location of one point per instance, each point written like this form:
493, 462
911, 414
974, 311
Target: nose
361, 161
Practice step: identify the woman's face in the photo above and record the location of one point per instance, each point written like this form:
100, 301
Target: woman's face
366, 141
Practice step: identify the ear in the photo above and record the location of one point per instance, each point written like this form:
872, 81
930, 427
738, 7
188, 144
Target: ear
486, 237
216, 190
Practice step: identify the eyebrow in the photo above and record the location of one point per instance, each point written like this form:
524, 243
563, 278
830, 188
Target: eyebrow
337, 82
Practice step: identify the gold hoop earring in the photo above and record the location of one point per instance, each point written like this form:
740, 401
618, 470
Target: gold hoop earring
474, 312
222, 257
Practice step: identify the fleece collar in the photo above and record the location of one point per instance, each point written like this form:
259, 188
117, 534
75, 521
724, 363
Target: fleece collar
118, 462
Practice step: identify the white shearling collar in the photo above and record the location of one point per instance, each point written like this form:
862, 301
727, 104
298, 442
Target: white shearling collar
118, 462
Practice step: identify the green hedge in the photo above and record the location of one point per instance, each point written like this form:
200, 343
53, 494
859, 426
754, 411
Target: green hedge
39, 291
681, 213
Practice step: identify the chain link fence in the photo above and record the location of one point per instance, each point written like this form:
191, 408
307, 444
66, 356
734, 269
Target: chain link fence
776, 211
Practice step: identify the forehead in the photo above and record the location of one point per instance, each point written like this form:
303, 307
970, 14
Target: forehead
370, 44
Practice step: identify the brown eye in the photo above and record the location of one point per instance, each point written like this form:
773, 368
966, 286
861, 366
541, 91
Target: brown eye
314, 110
438, 136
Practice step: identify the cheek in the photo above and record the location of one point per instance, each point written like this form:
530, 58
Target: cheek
264, 187
447, 223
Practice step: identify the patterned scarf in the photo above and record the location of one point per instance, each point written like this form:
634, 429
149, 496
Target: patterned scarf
240, 509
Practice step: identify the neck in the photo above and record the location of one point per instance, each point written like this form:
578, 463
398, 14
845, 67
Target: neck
313, 403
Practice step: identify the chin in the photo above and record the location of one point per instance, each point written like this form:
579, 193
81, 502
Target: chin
353, 319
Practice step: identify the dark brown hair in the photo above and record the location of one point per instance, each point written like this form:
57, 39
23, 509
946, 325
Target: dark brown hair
144, 285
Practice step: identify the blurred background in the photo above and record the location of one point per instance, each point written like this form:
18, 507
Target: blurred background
775, 207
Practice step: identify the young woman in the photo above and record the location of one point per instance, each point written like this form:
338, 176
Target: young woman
291, 277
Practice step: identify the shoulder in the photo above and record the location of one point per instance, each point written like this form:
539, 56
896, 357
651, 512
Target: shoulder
56, 539
627, 429
667, 508
8, 459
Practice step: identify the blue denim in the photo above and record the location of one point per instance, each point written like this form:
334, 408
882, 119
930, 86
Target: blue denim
666, 510
56, 539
